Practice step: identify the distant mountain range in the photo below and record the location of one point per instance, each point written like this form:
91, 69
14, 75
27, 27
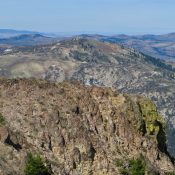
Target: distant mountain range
158, 46
8, 33
27, 40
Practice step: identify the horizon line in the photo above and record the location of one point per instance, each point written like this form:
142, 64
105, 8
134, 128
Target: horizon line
73, 33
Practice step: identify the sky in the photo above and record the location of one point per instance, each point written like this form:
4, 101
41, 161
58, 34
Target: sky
89, 16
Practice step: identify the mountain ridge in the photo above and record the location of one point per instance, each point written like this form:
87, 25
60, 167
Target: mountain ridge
28, 40
7, 33
160, 46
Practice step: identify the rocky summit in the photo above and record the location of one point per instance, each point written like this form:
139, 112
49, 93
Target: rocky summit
79, 130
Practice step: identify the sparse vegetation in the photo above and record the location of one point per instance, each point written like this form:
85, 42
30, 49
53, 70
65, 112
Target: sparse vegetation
170, 173
119, 163
35, 166
132, 167
2, 120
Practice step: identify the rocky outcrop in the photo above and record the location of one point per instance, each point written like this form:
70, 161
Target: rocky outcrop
54, 73
78, 129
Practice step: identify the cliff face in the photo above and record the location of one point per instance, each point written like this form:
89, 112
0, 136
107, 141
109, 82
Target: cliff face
78, 129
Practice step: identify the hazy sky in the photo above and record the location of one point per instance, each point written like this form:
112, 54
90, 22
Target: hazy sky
89, 16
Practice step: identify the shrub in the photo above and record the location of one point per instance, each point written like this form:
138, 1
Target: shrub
132, 167
170, 173
137, 166
119, 163
2, 120
35, 166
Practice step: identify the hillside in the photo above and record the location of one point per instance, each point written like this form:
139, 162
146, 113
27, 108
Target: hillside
101, 64
79, 130
159, 46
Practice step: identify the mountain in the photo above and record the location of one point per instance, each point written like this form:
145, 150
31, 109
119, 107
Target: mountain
27, 40
68, 128
8, 33
101, 64
159, 46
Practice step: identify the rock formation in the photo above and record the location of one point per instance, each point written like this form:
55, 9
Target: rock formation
78, 130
